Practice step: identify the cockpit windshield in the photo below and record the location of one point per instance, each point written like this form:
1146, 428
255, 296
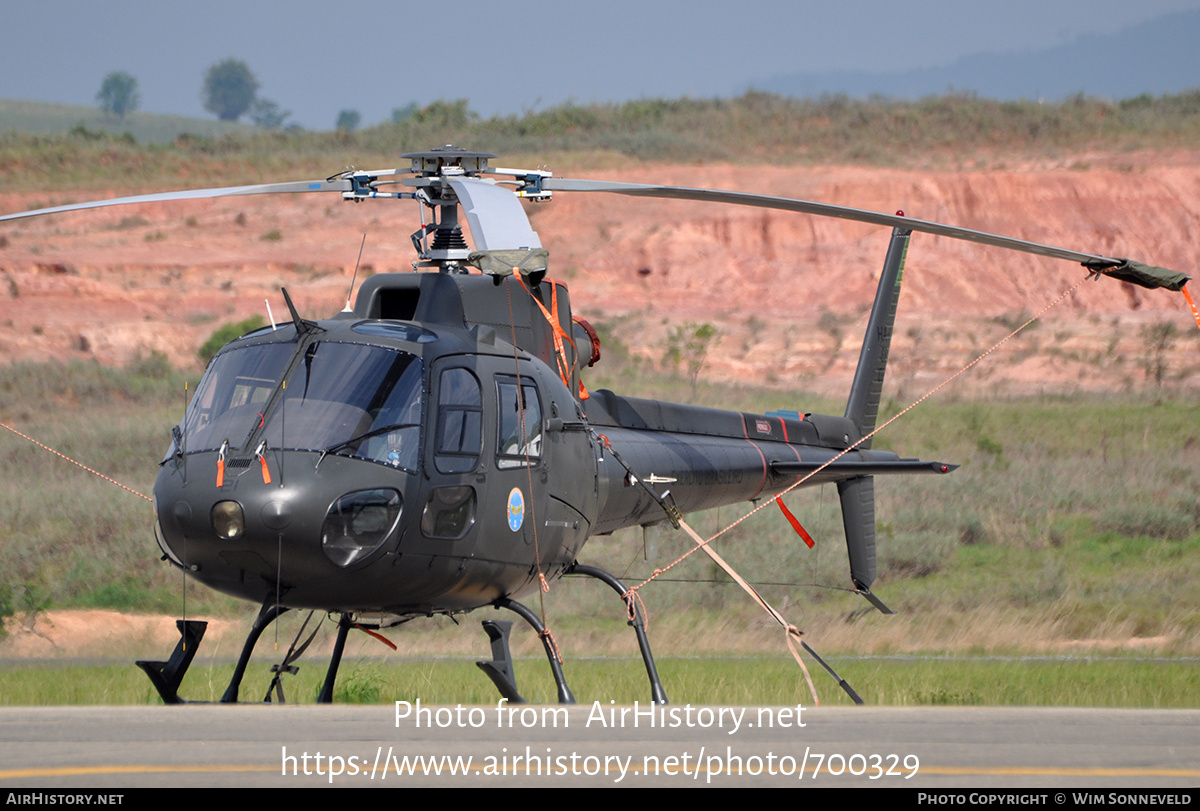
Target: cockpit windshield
233, 395
357, 400
344, 398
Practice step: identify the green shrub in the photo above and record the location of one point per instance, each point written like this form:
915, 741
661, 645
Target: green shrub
1171, 522
227, 333
6, 607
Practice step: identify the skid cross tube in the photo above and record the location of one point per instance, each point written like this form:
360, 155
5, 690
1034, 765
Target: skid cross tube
266, 615
638, 623
344, 626
565, 696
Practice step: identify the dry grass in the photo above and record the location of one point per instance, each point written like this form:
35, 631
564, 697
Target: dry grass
1040, 542
754, 127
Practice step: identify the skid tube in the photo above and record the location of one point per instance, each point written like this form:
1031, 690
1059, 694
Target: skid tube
167, 676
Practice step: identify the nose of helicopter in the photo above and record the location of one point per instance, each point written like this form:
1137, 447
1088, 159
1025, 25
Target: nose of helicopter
242, 533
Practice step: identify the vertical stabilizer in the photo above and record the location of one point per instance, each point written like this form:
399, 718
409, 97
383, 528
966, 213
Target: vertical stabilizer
862, 408
866, 391
858, 519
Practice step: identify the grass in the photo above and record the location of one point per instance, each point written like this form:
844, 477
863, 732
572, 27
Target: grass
1093, 513
80, 539
43, 118
1084, 541
1068, 682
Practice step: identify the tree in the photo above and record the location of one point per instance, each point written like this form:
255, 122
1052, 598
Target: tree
445, 114
402, 114
1158, 339
229, 89
119, 94
267, 114
689, 344
348, 120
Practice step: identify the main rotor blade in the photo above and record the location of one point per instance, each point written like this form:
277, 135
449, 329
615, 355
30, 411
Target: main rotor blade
1093, 261
196, 194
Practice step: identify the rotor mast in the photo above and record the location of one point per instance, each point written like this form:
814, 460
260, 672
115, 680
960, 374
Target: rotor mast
440, 243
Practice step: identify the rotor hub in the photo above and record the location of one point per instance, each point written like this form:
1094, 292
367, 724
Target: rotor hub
449, 160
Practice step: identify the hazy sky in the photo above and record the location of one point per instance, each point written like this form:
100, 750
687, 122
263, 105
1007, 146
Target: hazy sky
315, 57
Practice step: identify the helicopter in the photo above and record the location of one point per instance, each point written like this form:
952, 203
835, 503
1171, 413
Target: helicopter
432, 449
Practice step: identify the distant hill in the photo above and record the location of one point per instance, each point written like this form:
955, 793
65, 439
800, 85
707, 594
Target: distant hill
1157, 57
41, 118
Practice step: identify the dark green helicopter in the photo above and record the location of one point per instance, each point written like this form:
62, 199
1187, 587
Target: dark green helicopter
432, 449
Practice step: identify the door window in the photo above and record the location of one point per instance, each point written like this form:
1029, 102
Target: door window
519, 423
460, 422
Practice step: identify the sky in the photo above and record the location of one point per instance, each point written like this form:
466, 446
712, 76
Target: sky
315, 58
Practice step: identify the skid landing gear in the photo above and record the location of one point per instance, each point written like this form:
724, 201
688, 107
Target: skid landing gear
167, 676
638, 623
500, 669
266, 615
344, 625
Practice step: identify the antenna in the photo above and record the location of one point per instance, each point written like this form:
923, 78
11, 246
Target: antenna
350, 294
303, 326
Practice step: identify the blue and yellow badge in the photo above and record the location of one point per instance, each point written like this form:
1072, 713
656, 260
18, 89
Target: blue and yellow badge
516, 509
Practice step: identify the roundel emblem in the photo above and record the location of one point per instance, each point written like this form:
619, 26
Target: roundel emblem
516, 509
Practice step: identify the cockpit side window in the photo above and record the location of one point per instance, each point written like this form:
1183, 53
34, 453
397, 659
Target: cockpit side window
460, 422
519, 422
233, 393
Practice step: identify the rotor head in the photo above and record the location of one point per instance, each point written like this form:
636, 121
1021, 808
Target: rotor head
449, 161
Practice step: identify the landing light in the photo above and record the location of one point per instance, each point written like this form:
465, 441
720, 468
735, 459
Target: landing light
358, 523
228, 520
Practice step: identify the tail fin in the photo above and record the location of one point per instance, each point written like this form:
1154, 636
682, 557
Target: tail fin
865, 392
858, 519
858, 495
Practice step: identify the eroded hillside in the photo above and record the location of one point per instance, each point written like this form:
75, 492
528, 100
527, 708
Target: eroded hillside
788, 293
